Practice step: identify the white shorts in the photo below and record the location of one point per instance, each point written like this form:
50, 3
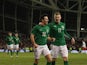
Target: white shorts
16, 46
41, 49
11, 46
59, 50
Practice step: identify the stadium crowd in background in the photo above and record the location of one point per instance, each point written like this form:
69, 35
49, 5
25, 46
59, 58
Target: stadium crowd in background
26, 43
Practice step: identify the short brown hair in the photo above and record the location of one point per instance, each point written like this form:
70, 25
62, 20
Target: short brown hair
42, 17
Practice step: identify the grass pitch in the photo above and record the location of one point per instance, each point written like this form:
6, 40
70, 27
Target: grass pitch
28, 59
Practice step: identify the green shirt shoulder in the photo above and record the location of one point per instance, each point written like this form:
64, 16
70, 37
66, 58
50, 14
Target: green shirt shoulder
53, 23
34, 30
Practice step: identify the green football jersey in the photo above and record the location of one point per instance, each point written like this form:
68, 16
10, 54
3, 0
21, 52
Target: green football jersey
41, 34
9, 40
58, 31
16, 40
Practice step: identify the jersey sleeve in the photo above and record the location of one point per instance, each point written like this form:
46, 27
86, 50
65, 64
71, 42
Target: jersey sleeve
50, 29
34, 30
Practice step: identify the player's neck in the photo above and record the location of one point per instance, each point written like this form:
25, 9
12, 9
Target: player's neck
57, 22
42, 24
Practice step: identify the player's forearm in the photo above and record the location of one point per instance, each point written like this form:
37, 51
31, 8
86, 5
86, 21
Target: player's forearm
32, 39
51, 39
69, 36
73, 40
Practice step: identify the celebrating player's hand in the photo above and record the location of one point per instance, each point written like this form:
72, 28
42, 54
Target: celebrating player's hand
53, 39
73, 41
35, 45
40, 23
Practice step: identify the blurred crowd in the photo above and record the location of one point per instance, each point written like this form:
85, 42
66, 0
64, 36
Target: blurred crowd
26, 43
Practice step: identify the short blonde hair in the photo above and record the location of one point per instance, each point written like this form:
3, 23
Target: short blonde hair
57, 13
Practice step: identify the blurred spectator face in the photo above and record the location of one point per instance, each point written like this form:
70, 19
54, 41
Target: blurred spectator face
16, 34
10, 34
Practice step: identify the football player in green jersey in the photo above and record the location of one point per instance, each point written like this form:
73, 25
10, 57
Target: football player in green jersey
10, 42
39, 37
58, 31
16, 44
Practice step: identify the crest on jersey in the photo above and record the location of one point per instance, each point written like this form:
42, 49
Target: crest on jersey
54, 26
47, 31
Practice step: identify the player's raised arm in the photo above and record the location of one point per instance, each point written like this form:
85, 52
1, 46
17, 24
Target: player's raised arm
69, 36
